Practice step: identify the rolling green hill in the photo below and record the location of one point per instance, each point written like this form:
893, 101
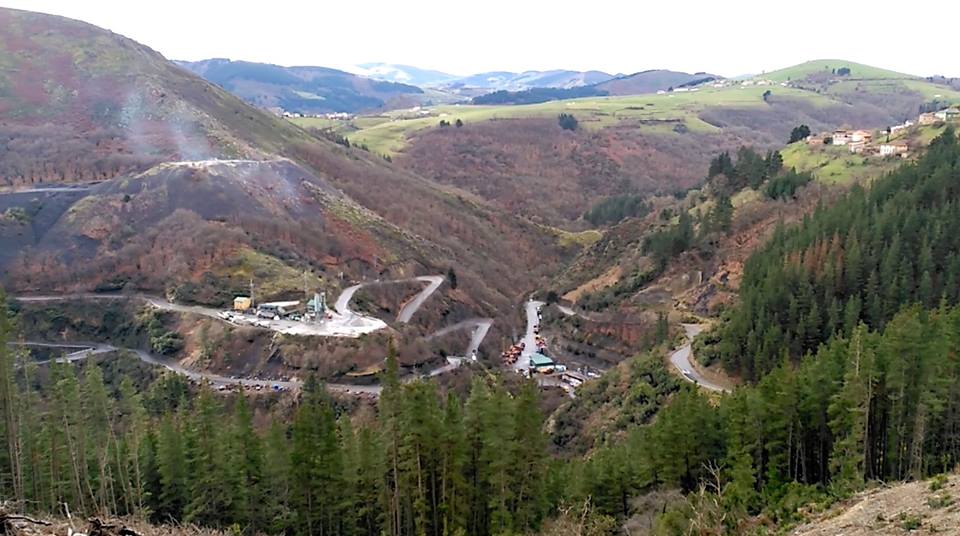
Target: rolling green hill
822, 67
652, 113
877, 96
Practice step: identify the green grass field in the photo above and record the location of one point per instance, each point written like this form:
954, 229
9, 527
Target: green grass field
857, 70
388, 133
836, 164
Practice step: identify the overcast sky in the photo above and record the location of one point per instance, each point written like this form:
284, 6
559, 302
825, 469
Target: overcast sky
729, 37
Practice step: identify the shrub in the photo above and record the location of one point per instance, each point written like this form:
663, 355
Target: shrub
568, 122
938, 482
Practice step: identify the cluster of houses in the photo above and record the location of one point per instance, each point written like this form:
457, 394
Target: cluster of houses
343, 116
722, 83
862, 141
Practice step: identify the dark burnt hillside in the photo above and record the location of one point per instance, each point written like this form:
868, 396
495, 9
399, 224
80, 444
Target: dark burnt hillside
81, 104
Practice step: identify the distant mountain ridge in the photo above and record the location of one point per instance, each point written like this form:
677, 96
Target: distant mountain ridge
651, 81
404, 74
509, 81
488, 81
303, 89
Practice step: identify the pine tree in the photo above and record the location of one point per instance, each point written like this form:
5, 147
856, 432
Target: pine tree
134, 430
420, 461
529, 444
390, 409
172, 471
850, 415
11, 463
370, 471
475, 466
208, 482
244, 469
317, 460
740, 493
67, 428
277, 475
453, 457
98, 439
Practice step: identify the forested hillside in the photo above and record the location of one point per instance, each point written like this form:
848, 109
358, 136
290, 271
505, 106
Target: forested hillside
425, 464
861, 259
877, 406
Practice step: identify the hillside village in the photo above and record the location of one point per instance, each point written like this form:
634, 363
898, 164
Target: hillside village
891, 142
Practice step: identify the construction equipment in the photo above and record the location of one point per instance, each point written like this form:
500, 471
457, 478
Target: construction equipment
242, 304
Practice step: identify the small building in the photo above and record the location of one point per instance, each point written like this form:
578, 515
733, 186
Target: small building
840, 137
242, 304
573, 378
541, 363
278, 309
815, 140
928, 118
861, 136
900, 128
857, 147
894, 149
949, 114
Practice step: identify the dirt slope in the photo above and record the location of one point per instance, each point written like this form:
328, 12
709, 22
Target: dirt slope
914, 508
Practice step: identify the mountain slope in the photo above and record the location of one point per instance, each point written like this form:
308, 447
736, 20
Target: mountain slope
827, 66
80, 104
650, 82
404, 74
510, 81
83, 104
308, 90
892, 510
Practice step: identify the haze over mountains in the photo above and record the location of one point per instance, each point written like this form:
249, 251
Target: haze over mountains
382, 86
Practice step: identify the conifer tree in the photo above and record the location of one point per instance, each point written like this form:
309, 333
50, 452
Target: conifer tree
390, 409
850, 414
277, 475
172, 471
11, 470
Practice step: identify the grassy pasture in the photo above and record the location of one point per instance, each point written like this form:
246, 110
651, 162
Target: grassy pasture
388, 133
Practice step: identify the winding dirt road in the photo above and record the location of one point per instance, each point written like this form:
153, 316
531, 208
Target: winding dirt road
681, 360
480, 328
407, 311
84, 350
529, 338
343, 326
354, 324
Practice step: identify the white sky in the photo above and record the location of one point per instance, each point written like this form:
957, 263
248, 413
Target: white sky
726, 37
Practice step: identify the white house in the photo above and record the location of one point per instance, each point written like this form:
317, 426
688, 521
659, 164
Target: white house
841, 137
948, 114
894, 148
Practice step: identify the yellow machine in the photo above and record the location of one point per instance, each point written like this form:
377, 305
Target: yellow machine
242, 304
